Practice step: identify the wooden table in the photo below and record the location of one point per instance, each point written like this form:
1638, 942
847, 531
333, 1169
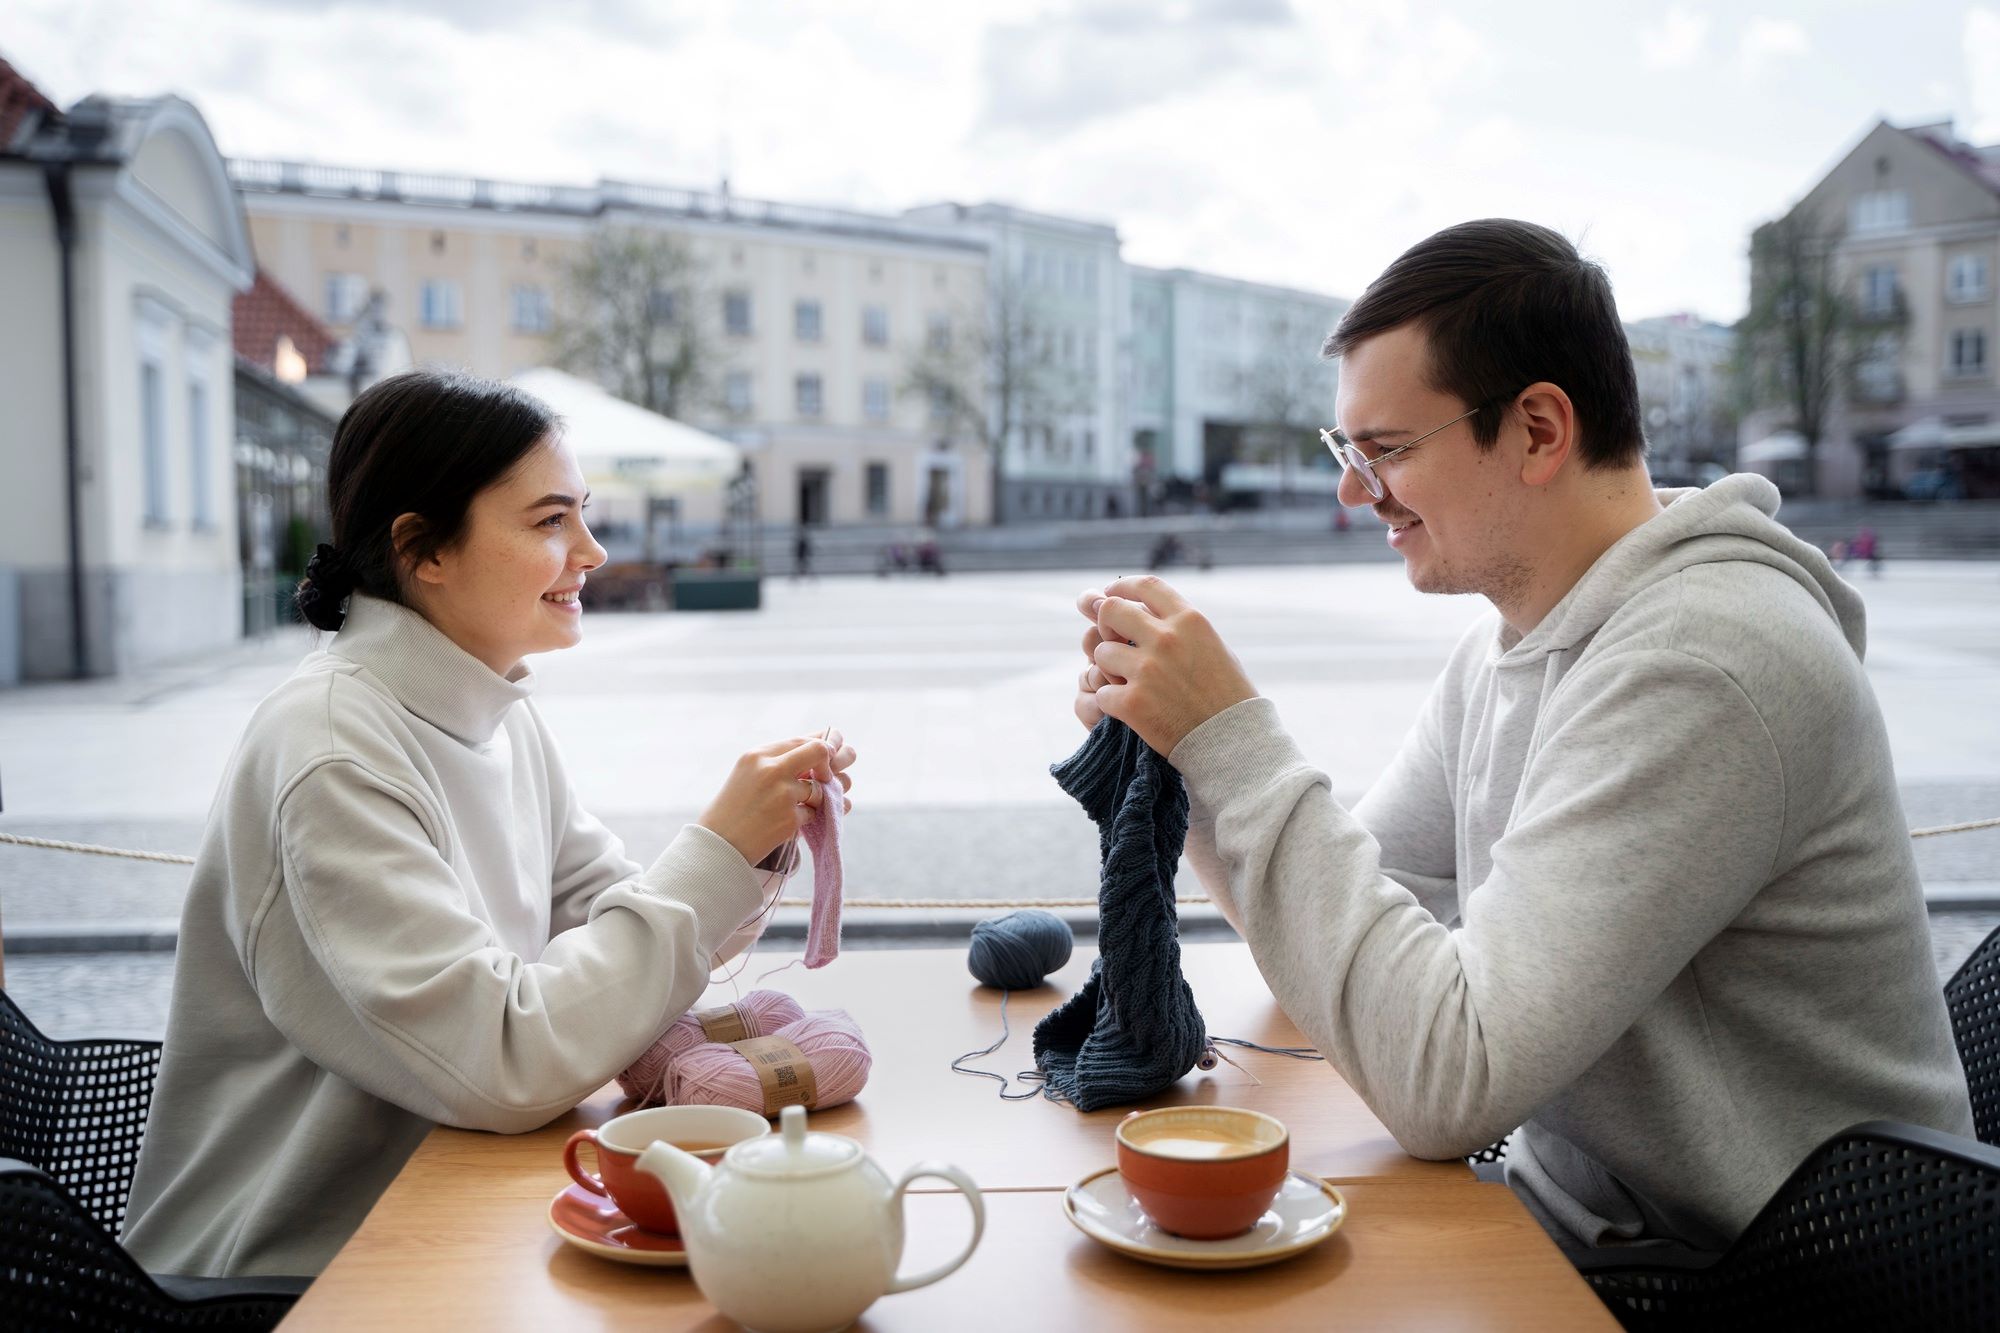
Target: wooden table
461, 1238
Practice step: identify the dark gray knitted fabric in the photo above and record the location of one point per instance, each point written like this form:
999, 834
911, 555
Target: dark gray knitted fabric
1133, 1029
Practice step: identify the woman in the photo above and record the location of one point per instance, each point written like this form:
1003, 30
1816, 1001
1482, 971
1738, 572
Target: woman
399, 915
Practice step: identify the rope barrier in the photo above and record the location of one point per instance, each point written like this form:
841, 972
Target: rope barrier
913, 904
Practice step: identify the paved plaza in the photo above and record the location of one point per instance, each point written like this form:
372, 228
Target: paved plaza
956, 694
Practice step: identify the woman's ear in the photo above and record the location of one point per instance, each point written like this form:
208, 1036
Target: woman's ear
405, 538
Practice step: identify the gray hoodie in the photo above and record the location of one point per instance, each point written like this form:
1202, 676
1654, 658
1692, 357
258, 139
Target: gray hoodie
1638, 882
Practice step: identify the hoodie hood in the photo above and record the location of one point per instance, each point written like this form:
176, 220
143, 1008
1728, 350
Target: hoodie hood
1732, 519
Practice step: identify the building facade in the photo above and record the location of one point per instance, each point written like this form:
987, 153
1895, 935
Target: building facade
1228, 390
1916, 212
117, 383
815, 314
1686, 368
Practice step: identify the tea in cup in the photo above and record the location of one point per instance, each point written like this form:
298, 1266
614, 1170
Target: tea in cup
705, 1131
1203, 1172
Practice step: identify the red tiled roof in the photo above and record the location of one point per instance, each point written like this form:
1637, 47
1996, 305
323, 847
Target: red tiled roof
267, 310
18, 97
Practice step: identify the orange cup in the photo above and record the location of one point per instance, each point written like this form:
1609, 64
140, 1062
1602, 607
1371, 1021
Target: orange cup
706, 1131
1203, 1172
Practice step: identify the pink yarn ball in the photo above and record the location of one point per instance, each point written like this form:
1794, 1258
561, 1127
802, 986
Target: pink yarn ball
764, 1012
713, 1074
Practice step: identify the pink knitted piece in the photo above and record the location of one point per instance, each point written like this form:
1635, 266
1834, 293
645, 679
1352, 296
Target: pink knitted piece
822, 837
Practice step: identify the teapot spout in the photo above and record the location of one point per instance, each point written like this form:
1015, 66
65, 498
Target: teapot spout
682, 1174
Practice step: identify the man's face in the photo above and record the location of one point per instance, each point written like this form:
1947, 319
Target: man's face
1446, 502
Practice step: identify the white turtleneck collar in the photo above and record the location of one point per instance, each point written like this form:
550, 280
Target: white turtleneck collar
429, 674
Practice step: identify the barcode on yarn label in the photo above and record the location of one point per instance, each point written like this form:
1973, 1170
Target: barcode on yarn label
782, 1069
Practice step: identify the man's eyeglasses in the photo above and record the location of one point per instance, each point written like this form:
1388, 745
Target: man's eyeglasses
1350, 456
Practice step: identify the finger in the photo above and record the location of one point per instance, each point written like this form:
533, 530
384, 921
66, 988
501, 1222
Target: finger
1091, 638
1087, 600
1155, 593
1119, 618
805, 756
1111, 700
802, 815
1117, 659
843, 757
846, 781
813, 792
846, 807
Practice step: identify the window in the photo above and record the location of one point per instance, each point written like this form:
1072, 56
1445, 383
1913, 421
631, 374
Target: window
937, 332
1878, 290
1968, 352
805, 321
153, 439
531, 309
878, 489
663, 307
198, 450
875, 399
441, 304
1089, 445
940, 398
1879, 210
346, 293
736, 392
736, 313
437, 242
1966, 279
875, 325
1030, 268
806, 394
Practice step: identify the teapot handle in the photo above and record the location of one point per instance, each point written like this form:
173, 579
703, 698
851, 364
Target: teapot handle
963, 1182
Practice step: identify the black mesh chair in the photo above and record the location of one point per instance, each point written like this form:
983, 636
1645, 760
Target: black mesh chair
60, 1268
1886, 1226
1973, 997
76, 1109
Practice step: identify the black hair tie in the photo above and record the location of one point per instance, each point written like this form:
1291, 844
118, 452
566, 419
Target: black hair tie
329, 578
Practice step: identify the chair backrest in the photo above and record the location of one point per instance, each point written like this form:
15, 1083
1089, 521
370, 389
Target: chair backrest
1973, 997
76, 1109
1884, 1226
60, 1268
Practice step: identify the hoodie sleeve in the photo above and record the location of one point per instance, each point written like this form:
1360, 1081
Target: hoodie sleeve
438, 1017
1627, 854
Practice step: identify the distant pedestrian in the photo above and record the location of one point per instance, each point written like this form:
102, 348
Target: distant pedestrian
802, 554
1863, 547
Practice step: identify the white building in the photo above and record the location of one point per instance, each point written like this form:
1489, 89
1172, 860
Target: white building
1227, 388
1073, 461
1686, 369
121, 246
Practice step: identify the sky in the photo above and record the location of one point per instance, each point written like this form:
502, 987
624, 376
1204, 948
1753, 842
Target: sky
1299, 142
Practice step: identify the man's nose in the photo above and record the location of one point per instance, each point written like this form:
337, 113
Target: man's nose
1351, 492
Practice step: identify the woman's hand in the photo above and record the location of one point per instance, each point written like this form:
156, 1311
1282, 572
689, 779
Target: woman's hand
774, 789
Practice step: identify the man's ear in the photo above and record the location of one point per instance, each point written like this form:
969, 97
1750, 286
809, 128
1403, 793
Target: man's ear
1549, 417
404, 534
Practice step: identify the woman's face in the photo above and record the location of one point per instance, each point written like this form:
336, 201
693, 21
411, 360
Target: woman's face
511, 585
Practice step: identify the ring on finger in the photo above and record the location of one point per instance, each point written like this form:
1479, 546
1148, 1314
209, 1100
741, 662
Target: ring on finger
812, 790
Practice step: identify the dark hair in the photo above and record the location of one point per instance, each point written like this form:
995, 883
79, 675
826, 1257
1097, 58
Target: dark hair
1503, 304
424, 442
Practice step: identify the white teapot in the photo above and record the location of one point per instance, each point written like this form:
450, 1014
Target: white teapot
797, 1232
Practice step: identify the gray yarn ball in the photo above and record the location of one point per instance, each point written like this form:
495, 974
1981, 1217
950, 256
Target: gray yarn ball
1019, 950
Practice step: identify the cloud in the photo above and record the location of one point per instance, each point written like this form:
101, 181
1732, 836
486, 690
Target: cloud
1675, 42
1059, 71
1982, 73
1767, 41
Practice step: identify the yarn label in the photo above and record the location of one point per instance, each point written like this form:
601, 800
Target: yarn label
725, 1023
784, 1071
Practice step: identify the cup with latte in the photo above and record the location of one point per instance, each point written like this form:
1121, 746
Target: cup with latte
1203, 1172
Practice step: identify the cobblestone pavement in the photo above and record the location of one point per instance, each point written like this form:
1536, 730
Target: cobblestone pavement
126, 994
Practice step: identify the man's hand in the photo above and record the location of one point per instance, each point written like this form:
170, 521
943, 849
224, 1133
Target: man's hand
1157, 665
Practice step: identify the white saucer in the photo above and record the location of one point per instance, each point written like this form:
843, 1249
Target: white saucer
1306, 1211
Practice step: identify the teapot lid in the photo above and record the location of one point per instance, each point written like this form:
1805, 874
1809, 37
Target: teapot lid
793, 1151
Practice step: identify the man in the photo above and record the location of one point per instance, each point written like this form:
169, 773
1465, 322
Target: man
1638, 881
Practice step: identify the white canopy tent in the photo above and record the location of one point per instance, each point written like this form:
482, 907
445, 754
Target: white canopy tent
626, 450
1933, 433
1780, 446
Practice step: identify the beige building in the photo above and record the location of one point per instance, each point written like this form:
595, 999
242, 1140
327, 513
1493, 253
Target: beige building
817, 312
121, 247
1919, 214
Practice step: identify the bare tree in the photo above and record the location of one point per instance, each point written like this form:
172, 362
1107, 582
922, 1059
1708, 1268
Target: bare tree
1803, 332
635, 315
1289, 394
996, 378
